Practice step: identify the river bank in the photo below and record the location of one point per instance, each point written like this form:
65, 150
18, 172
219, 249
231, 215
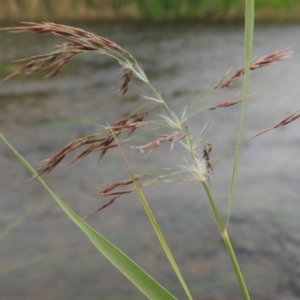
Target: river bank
163, 10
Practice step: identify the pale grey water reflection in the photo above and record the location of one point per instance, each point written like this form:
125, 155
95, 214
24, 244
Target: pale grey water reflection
182, 61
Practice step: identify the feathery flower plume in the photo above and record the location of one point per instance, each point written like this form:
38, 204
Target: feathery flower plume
95, 142
284, 122
77, 41
197, 169
110, 189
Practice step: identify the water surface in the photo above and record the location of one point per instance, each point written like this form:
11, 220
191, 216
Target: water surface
181, 61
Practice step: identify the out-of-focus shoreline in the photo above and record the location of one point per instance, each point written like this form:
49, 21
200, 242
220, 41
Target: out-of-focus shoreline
134, 10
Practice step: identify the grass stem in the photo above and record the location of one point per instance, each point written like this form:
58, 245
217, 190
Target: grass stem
235, 264
249, 30
227, 242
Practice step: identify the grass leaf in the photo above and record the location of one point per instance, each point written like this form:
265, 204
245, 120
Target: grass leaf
249, 31
143, 281
155, 226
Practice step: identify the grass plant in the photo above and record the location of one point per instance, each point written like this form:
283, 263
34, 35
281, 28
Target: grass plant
130, 269
170, 127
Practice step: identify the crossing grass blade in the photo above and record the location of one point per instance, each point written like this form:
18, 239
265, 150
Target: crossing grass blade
155, 226
249, 32
143, 281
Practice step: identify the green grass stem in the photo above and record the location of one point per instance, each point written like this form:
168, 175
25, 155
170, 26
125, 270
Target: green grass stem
249, 31
235, 264
227, 242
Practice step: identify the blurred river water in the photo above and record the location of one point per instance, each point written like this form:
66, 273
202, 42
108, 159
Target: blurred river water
181, 60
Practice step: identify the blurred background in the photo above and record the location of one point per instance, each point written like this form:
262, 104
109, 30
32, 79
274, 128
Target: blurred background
192, 46
96, 10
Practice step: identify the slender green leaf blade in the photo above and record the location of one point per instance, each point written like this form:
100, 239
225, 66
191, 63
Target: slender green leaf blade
143, 281
249, 32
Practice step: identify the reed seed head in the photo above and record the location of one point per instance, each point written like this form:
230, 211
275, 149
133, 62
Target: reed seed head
77, 41
273, 58
198, 166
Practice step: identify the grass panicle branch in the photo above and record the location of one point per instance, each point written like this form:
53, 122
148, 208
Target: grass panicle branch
168, 175
230, 78
163, 138
284, 122
95, 142
293, 117
288, 120
77, 41
271, 59
230, 102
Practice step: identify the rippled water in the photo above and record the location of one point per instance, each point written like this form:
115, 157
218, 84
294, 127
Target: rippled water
181, 61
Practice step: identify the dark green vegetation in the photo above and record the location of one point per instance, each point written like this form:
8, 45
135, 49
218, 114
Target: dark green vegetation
95, 10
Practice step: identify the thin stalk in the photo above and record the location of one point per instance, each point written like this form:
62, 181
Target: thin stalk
239, 145
206, 92
213, 205
235, 264
155, 226
227, 242
249, 29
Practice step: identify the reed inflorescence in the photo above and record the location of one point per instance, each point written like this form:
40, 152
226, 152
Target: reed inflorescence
170, 127
79, 41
